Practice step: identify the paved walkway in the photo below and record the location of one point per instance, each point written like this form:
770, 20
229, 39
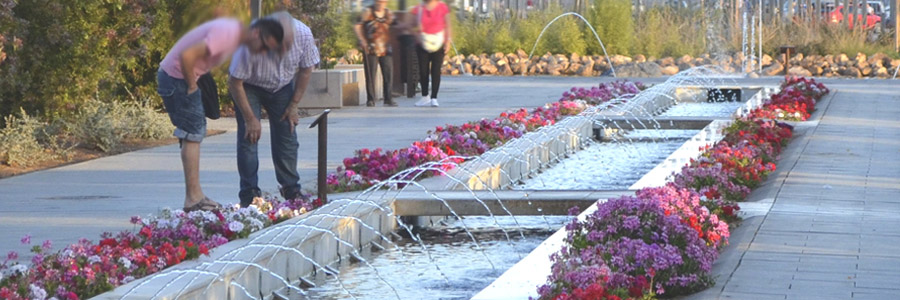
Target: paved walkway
833, 231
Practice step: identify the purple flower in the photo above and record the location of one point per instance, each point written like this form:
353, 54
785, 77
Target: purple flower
26, 239
12, 256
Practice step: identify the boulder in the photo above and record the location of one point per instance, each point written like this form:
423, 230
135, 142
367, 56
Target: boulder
882, 72
645, 69
753, 75
865, 71
669, 70
850, 72
687, 59
842, 59
574, 58
521, 54
861, 58
799, 71
587, 69
774, 69
618, 60
505, 70
573, 69
468, 67
668, 61
639, 58
520, 68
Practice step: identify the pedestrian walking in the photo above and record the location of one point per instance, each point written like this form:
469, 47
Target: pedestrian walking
373, 32
196, 53
275, 80
434, 38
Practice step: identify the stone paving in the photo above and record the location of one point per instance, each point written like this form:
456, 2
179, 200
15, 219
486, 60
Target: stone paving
833, 231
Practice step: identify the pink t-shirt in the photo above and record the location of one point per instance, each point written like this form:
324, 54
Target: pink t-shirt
433, 20
222, 37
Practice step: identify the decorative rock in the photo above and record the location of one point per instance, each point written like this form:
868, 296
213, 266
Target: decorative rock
851, 71
669, 70
753, 75
774, 69
882, 72
639, 58
645, 69
843, 58
865, 71
505, 70
574, 58
799, 71
521, 54
687, 59
587, 69
668, 61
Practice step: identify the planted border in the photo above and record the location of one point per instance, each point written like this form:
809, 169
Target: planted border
663, 241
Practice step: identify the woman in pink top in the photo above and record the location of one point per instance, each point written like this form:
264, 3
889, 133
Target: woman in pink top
195, 54
433, 19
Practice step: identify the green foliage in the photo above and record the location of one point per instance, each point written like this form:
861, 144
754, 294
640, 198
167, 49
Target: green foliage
613, 21
662, 32
564, 36
20, 143
72, 50
103, 126
502, 39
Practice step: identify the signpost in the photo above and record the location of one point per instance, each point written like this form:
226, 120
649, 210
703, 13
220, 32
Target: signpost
255, 9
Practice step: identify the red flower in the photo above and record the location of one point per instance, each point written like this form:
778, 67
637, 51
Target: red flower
204, 250
147, 232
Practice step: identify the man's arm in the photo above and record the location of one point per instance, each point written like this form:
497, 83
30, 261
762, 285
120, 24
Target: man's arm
254, 128
358, 29
188, 57
301, 80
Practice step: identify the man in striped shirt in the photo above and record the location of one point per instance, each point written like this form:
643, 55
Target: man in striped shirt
276, 81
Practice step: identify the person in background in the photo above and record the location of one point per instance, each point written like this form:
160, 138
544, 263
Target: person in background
275, 80
373, 32
195, 54
433, 18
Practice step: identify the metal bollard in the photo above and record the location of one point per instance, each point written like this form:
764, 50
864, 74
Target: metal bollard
322, 122
787, 51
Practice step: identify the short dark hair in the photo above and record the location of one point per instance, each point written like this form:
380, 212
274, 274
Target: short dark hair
269, 28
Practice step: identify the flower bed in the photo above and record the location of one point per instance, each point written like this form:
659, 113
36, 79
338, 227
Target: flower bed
368, 167
662, 241
86, 269
795, 102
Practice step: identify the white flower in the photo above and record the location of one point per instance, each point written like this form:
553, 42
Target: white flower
356, 178
235, 226
68, 253
127, 279
256, 224
37, 292
126, 263
94, 259
162, 223
210, 216
797, 114
781, 115
18, 269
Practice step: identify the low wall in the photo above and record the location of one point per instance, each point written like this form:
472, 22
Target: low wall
345, 85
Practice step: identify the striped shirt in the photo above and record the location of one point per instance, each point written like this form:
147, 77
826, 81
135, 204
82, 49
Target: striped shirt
272, 72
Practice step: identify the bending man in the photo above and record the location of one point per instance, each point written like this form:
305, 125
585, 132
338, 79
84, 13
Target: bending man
275, 81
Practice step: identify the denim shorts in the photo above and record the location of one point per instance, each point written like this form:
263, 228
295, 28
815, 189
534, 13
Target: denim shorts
185, 111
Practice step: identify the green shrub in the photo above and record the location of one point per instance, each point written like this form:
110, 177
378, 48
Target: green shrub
19, 141
142, 121
102, 126
97, 125
502, 39
563, 36
613, 21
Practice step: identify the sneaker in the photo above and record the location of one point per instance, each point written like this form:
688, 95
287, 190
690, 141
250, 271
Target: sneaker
425, 101
391, 103
434, 102
370, 103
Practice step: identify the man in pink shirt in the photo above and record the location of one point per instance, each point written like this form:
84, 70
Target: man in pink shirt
195, 54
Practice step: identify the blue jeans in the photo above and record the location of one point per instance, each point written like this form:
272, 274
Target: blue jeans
284, 144
185, 111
